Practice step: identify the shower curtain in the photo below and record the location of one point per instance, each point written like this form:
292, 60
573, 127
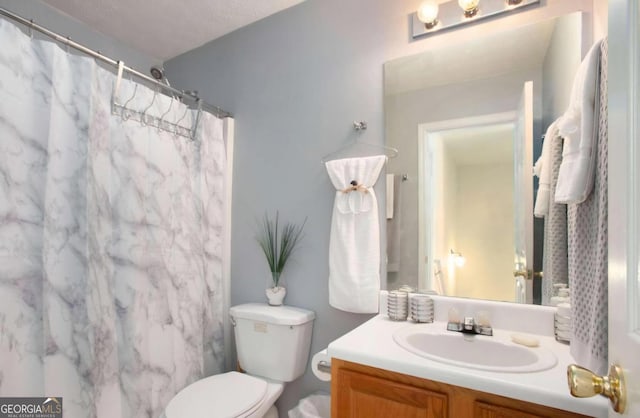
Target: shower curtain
111, 237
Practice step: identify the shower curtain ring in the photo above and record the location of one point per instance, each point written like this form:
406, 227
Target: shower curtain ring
31, 28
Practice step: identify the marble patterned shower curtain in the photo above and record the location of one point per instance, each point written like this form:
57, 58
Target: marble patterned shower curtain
110, 238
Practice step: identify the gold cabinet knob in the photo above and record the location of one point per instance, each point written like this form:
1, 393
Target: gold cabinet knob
583, 384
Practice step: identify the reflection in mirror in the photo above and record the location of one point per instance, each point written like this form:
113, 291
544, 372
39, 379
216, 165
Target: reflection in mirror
452, 112
463, 169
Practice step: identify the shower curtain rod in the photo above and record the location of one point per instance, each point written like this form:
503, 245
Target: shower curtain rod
96, 54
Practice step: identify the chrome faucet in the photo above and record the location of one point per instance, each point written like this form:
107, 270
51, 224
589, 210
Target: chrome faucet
470, 326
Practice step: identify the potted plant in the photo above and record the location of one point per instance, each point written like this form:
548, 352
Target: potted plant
278, 245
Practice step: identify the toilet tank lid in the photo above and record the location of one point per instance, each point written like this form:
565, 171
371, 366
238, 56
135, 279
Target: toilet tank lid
278, 315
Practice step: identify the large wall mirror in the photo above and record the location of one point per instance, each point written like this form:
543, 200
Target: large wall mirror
468, 120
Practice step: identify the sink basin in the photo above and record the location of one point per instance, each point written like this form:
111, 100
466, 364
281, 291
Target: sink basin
473, 351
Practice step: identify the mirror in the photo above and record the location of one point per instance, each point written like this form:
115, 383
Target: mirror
460, 193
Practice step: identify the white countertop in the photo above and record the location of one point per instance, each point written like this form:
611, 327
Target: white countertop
372, 344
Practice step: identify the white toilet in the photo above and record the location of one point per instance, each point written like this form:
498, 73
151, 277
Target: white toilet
272, 344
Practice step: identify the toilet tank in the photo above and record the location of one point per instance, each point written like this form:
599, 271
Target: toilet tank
272, 341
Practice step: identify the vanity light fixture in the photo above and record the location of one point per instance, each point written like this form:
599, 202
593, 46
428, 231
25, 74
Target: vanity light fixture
469, 7
432, 16
428, 13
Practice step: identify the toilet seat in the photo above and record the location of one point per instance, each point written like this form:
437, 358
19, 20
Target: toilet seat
228, 395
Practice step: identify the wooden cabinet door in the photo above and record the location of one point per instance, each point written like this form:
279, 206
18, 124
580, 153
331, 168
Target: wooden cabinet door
364, 396
485, 410
359, 391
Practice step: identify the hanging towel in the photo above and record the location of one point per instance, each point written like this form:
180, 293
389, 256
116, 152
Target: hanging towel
390, 195
554, 258
576, 126
354, 245
394, 233
588, 249
542, 169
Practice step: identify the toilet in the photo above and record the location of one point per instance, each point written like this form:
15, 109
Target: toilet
272, 344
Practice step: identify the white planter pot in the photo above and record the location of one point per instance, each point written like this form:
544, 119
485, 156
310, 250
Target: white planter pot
276, 295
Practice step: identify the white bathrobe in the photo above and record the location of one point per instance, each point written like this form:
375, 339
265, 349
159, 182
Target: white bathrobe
354, 246
576, 126
542, 169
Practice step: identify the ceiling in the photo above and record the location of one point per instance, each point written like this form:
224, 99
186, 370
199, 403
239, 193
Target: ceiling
163, 29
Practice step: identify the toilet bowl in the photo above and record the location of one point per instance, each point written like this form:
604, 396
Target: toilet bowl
232, 395
272, 344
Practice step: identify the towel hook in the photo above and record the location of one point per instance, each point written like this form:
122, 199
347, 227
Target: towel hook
184, 115
360, 125
143, 116
126, 113
165, 114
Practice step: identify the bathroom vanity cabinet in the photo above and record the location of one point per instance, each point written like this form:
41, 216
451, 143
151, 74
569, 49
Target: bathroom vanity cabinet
359, 391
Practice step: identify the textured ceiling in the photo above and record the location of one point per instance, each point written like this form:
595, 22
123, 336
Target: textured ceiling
164, 29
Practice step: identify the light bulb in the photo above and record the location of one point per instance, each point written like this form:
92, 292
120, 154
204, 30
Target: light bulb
428, 13
456, 259
470, 7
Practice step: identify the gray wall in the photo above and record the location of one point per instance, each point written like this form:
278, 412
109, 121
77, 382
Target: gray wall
295, 82
65, 25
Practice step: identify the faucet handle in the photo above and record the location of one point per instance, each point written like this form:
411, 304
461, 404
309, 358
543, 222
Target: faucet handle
483, 319
454, 315
483, 326
468, 323
454, 323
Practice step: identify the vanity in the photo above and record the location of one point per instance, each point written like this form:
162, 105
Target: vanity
375, 375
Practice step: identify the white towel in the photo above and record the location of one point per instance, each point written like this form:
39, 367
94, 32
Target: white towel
354, 245
542, 169
587, 256
394, 229
390, 195
577, 171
